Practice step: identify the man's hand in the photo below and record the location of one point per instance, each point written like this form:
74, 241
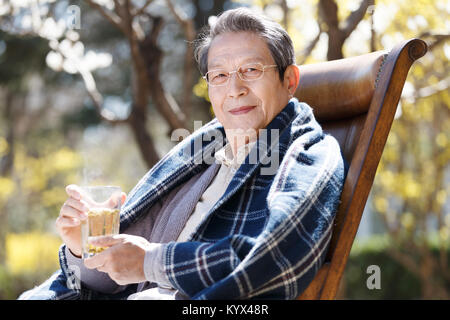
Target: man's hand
68, 223
123, 261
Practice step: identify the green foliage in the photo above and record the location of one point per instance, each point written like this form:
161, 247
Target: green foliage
35, 191
11, 286
201, 90
30, 259
396, 281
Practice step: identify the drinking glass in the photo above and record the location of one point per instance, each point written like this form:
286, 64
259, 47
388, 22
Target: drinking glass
103, 216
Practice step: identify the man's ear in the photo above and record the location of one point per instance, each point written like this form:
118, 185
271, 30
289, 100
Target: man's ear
123, 197
292, 78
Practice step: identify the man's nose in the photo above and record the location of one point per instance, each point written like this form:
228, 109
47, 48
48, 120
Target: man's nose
236, 86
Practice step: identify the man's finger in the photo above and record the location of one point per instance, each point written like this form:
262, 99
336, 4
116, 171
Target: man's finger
68, 211
65, 222
123, 197
79, 205
107, 241
73, 191
96, 261
115, 198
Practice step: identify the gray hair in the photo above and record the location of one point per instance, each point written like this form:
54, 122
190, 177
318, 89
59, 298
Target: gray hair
243, 19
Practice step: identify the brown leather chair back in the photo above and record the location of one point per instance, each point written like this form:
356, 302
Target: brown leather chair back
341, 102
355, 100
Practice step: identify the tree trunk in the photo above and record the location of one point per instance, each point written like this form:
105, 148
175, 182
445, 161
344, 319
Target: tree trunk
335, 44
137, 123
164, 102
431, 289
328, 13
339, 31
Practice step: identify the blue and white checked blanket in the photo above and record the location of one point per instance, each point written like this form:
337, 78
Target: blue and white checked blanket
268, 234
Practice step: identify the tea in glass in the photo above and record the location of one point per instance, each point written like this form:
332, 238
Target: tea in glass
103, 216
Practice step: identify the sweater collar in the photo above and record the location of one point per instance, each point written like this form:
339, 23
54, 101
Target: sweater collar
225, 155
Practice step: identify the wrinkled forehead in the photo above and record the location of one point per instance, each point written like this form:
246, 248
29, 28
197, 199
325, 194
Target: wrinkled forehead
236, 48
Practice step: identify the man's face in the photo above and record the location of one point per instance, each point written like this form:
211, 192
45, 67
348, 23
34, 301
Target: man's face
267, 96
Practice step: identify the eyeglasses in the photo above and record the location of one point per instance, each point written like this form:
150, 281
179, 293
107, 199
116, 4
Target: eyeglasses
247, 72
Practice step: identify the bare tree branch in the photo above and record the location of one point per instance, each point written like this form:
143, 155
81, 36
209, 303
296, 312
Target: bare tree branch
427, 91
285, 9
373, 34
309, 48
166, 105
140, 78
94, 94
187, 25
328, 13
355, 17
110, 16
117, 8
434, 39
141, 10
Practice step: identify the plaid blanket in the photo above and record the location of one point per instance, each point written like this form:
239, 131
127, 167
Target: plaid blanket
265, 238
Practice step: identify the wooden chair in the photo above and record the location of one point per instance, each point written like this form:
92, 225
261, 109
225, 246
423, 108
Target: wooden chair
355, 100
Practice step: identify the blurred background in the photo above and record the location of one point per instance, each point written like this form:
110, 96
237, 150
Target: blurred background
90, 92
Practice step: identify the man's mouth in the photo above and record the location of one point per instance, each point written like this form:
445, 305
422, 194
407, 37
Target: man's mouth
241, 110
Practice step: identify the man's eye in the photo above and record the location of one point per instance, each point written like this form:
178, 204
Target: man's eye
251, 70
218, 76
251, 73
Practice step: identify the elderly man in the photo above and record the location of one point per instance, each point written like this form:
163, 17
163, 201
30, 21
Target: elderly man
211, 220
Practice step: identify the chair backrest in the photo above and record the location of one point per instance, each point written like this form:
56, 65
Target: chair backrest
355, 100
